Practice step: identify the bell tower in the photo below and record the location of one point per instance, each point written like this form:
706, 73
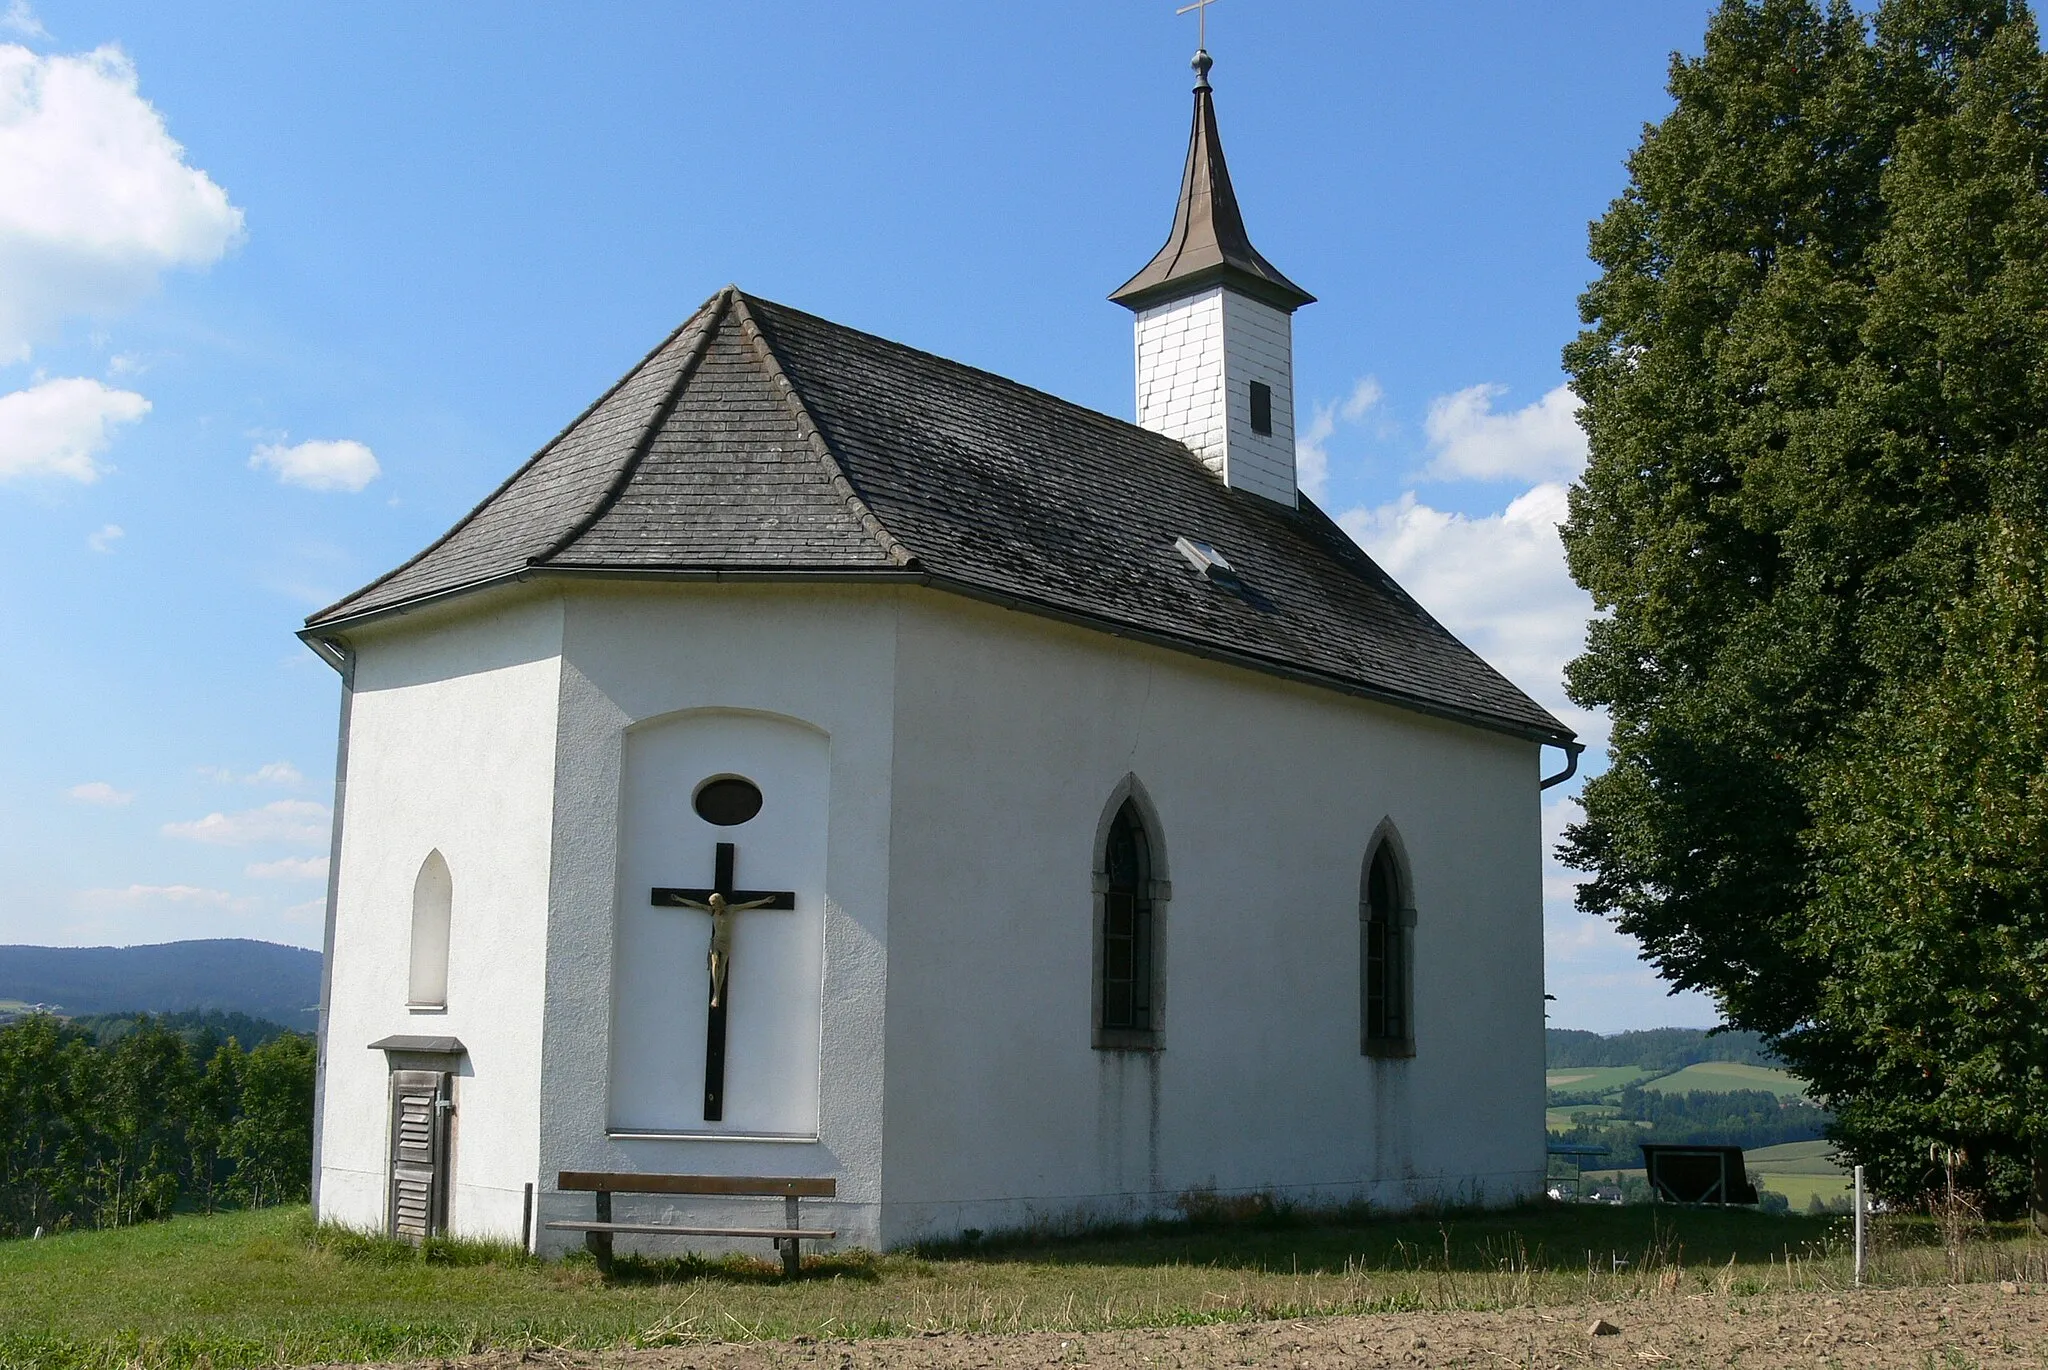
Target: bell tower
1215, 334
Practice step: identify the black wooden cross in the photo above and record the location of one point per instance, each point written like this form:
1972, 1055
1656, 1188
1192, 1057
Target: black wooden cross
721, 901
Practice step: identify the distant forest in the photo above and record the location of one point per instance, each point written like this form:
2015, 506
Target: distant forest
125, 1118
1654, 1049
202, 1033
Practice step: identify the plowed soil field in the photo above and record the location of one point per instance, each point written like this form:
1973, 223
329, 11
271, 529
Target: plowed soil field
1949, 1328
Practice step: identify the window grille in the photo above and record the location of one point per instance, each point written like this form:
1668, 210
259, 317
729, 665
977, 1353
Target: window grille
1385, 956
1127, 926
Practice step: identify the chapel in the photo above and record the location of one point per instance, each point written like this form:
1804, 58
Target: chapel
827, 760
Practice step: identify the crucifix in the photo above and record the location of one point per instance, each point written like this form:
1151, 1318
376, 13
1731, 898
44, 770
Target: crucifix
721, 901
1200, 9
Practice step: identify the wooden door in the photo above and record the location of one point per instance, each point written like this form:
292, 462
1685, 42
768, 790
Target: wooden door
420, 1105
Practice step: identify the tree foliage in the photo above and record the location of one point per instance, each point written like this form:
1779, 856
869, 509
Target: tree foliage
1815, 379
107, 1135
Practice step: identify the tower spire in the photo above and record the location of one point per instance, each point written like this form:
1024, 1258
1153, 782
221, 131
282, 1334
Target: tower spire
1208, 244
1215, 328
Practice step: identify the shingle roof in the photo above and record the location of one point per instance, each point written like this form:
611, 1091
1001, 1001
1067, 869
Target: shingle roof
759, 440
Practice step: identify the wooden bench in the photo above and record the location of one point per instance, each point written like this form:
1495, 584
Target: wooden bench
597, 1235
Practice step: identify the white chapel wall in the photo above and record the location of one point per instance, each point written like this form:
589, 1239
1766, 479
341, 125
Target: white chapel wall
451, 749
1012, 734
815, 666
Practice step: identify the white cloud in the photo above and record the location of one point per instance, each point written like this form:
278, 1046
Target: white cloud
297, 821
1498, 582
99, 792
106, 537
21, 19
312, 913
60, 427
290, 868
270, 773
1311, 453
318, 465
134, 896
96, 199
1542, 441
1364, 397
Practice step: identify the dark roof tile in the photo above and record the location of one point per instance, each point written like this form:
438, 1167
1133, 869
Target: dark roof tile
761, 439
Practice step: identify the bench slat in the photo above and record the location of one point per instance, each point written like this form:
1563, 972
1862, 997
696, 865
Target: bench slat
664, 1229
625, 1182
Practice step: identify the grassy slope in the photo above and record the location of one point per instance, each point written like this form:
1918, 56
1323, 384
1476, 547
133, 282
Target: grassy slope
1593, 1079
1799, 1171
1560, 1119
1796, 1158
1718, 1077
257, 1289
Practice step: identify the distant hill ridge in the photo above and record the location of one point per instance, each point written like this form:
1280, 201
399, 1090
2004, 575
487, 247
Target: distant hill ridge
220, 975
1656, 1049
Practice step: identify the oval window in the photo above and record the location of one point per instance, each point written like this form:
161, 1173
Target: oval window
728, 801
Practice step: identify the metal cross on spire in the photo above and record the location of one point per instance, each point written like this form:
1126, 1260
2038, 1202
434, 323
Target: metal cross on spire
1200, 9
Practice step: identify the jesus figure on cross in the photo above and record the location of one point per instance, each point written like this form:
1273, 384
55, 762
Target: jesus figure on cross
721, 901
720, 956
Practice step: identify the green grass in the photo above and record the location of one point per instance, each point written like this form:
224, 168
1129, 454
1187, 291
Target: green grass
1560, 1119
1800, 1190
1719, 1077
1796, 1158
1800, 1171
263, 1288
1592, 1079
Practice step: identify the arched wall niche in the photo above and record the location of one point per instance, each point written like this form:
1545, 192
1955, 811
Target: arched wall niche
1155, 895
772, 999
433, 910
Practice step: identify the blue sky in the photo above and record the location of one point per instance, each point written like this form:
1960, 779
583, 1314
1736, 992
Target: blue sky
285, 289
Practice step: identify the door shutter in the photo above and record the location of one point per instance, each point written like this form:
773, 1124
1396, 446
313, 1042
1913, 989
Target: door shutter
419, 1153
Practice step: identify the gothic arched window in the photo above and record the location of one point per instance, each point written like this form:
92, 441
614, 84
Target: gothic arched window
433, 899
1385, 967
1127, 941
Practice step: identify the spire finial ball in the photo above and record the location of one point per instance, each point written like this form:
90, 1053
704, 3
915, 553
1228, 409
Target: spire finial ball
1201, 64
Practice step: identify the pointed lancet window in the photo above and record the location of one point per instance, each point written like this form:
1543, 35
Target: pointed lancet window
1127, 926
1385, 966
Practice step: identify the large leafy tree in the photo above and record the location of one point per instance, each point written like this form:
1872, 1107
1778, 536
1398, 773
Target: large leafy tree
1815, 381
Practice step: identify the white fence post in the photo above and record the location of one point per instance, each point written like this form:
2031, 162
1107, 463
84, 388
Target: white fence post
1859, 1225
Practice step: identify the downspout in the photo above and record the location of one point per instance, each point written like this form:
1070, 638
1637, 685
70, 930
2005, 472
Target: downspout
336, 654
1571, 750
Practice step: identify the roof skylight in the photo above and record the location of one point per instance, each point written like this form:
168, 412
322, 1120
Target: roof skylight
1206, 559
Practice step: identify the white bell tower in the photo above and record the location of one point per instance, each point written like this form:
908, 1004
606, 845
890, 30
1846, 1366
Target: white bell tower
1215, 328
